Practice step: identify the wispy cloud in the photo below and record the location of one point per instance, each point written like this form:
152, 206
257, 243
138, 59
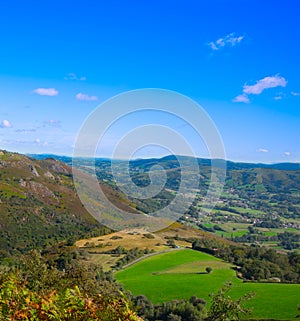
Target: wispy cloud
287, 154
293, 93
81, 96
229, 40
5, 124
260, 86
46, 91
279, 96
262, 150
73, 76
52, 123
241, 99
24, 130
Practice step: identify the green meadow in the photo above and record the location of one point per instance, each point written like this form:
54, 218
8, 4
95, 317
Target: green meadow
180, 274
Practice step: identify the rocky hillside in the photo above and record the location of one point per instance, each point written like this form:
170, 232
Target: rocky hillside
38, 204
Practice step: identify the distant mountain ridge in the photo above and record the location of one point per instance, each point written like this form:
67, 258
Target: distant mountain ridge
202, 161
271, 188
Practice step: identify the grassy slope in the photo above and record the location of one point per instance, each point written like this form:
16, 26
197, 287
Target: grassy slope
127, 239
130, 238
174, 275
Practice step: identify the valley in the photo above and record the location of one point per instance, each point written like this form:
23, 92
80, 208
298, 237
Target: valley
250, 240
259, 203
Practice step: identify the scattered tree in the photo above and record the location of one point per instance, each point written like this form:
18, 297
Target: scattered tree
208, 269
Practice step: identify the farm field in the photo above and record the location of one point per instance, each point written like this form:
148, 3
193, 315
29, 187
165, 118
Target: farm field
181, 274
231, 230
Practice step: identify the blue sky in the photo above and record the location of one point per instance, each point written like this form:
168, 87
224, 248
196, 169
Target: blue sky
238, 59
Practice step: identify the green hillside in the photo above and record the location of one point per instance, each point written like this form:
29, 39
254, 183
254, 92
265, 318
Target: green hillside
38, 204
181, 274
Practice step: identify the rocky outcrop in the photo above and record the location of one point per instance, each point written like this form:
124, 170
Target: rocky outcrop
49, 175
41, 191
33, 170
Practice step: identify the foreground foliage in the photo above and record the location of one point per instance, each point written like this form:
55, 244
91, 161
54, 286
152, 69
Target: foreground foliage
17, 302
58, 288
224, 308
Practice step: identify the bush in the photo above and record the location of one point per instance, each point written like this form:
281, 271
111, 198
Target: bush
208, 269
116, 237
149, 236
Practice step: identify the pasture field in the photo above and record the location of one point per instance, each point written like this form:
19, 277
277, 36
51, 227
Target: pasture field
181, 274
95, 249
231, 230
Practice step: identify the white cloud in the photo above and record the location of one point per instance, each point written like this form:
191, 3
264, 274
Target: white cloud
230, 40
287, 154
81, 96
262, 150
46, 91
260, 86
265, 83
73, 76
293, 93
241, 99
5, 124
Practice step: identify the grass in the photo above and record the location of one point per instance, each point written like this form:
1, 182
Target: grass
232, 234
10, 191
230, 229
179, 275
128, 239
233, 229
242, 210
136, 237
105, 260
